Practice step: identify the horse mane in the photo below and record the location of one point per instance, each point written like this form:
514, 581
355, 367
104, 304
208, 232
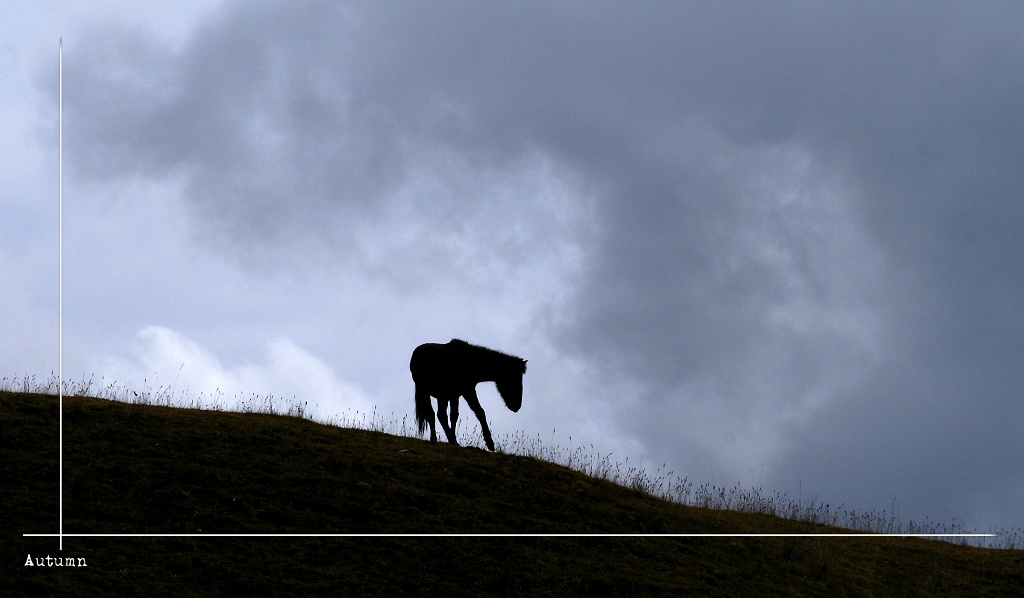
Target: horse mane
484, 351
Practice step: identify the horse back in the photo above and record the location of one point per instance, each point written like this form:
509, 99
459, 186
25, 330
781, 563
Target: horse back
435, 367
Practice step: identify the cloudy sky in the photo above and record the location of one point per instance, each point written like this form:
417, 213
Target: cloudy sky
775, 245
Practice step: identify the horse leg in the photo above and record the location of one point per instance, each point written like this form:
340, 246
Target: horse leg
442, 418
454, 414
474, 404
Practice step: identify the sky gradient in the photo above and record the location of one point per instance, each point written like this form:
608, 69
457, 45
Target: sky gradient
778, 245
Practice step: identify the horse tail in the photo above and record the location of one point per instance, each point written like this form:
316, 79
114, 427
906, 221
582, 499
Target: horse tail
424, 410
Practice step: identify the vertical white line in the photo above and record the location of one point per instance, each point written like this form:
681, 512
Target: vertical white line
60, 283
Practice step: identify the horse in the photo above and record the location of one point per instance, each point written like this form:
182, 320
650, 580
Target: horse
453, 369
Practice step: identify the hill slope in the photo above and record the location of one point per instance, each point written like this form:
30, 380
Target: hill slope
149, 469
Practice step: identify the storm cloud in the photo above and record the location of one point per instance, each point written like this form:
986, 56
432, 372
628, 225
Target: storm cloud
784, 239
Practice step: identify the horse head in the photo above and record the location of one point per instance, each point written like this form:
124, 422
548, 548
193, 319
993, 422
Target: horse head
511, 387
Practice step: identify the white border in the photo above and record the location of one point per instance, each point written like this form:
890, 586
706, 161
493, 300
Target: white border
60, 394
526, 535
60, 283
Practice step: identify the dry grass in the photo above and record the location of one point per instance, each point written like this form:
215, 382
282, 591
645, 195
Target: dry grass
146, 467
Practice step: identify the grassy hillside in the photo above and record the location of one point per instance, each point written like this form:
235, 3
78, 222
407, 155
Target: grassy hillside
150, 469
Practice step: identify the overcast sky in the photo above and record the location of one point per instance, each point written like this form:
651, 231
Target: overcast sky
775, 244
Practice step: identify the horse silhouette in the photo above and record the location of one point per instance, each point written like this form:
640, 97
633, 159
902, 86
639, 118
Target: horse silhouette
453, 370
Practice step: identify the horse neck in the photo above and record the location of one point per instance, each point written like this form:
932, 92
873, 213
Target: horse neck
487, 371
490, 368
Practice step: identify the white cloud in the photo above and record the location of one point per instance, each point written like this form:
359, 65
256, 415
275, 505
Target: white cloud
168, 362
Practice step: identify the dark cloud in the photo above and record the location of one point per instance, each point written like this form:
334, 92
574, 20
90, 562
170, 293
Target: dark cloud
807, 217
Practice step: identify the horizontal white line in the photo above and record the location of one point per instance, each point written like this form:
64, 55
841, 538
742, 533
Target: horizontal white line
540, 535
